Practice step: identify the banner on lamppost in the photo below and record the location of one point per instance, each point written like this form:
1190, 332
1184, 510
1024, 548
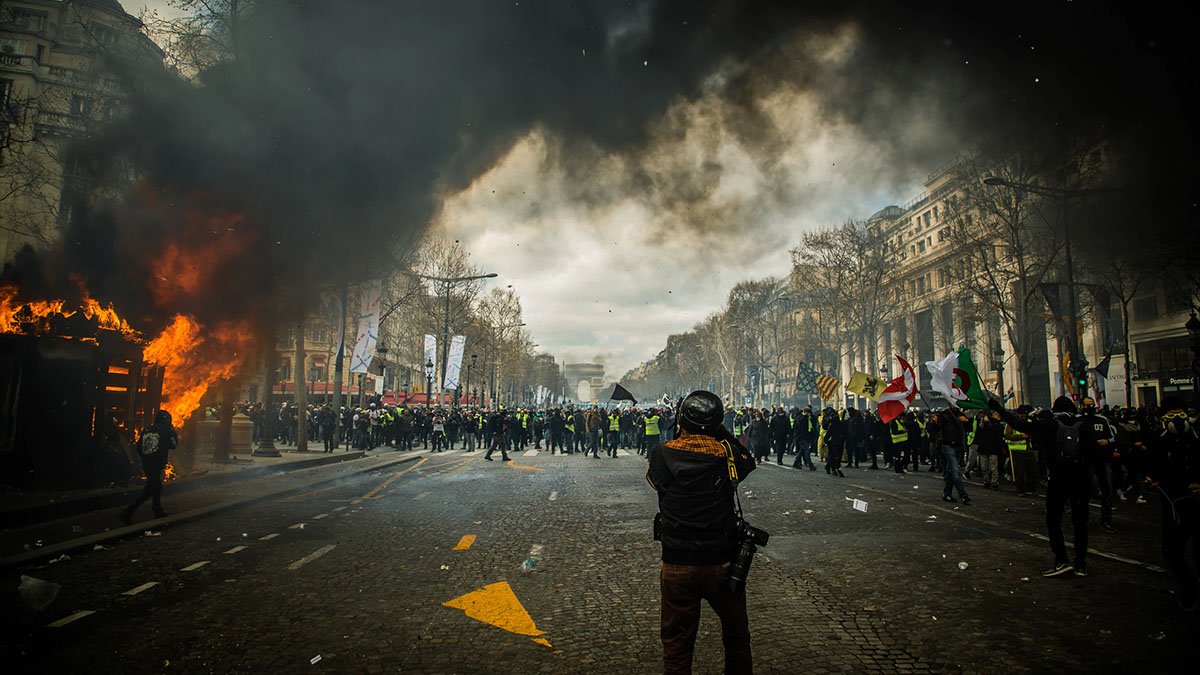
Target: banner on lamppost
368, 327
454, 361
430, 355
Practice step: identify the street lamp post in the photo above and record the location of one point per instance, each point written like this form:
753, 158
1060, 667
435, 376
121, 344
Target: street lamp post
1193, 329
468, 387
998, 366
428, 381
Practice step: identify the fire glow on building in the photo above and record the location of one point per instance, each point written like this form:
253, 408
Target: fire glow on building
80, 382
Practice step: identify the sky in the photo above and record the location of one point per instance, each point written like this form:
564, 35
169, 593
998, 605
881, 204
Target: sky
622, 165
607, 269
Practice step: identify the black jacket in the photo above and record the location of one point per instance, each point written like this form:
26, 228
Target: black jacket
165, 440
697, 518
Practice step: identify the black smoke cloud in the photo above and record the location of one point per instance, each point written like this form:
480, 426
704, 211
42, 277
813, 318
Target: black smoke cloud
343, 124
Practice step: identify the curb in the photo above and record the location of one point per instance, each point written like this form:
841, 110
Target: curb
121, 533
71, 507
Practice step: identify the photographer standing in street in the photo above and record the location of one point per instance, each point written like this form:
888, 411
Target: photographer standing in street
702, 533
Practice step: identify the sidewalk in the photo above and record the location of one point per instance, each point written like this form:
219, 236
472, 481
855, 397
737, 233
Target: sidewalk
21, 508
89, 517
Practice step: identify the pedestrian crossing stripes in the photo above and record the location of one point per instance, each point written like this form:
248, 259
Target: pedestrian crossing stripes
622, 453
194, 566
530, 453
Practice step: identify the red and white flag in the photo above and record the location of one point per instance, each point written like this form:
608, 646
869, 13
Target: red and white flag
899, 393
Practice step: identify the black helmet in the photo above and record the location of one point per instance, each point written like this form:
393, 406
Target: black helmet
701, 412
162, 417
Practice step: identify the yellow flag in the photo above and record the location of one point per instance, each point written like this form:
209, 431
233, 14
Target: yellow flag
866, 385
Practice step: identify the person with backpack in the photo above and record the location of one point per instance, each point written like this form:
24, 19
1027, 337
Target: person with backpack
1099, 441
1056, 431
152, 446
1175, 476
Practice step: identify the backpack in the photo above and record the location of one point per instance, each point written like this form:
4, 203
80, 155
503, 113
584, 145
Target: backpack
148, 445
1070, 452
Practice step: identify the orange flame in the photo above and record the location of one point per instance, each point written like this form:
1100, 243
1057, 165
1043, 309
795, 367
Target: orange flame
32, 316
195, 358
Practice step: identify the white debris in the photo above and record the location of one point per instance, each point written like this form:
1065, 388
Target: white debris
860, 505
315, 659
963, 565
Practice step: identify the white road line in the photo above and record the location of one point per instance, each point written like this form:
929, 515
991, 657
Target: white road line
1110, 556
530, 453
235, 549
339, 508
320, 516
535, 551
269, 537
779, 466
1001, 526
355, 501
195, 566
448, 452
74, 617
622, 453
144, 587
311, 557
297, 526
422, 496
554, 495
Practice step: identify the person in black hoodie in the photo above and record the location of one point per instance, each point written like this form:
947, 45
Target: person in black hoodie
153, 445
1175, 475
1068, 480
696, 477
835, 441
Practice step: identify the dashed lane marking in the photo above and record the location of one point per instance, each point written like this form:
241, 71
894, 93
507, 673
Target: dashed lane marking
464, 543
339, 508
554, 495
530, 453
269, 537
297, 526
144, 587
69, 619
422, 496
320, 516
235, 549
311, 557
195, 566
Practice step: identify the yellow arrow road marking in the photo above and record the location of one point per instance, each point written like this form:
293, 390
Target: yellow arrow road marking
497, 605
513, 464
464, 543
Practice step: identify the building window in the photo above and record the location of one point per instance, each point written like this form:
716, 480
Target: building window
11, 46
927, 219
920, 247
29, 20
317, 372
103, 34
935, 213
285, 369
286, 338
1146, 308
81, 106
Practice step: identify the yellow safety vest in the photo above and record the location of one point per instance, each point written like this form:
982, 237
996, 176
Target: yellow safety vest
570, 425
899, 432
924, 431
614, 423
974, 428
652, 425
1019, 444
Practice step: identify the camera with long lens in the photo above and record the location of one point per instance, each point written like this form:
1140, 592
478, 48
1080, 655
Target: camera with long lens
750, 539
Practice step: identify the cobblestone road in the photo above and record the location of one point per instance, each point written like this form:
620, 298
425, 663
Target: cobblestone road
352, 578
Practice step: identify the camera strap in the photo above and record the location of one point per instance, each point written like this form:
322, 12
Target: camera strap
731, 466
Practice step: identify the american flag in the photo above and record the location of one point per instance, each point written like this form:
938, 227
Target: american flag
808, 380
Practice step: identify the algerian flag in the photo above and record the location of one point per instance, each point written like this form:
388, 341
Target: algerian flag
955, 378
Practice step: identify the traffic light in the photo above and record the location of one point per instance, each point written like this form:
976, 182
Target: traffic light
1081, 380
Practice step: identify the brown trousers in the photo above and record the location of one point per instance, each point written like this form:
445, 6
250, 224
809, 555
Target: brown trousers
683, 587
